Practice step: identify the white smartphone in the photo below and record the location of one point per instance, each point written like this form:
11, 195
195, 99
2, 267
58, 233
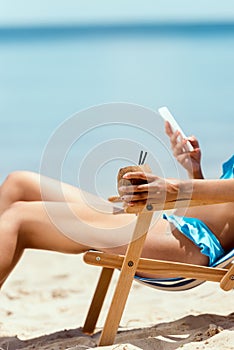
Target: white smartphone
167, 116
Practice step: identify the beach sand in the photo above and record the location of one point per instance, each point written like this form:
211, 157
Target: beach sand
44, 303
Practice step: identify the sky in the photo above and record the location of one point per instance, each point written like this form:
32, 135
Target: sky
28, 12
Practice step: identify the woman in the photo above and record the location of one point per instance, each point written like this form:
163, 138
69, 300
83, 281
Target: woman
26, 222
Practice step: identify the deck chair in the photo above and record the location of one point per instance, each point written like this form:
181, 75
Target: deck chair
181, 276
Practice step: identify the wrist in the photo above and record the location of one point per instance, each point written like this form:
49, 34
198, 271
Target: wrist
185, 189
178, 190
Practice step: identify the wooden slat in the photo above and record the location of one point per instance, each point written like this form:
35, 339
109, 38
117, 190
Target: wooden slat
98, 299
159, 267
227, 282
180, 203
125, 279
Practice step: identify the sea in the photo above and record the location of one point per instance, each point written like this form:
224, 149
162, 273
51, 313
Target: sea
51, 75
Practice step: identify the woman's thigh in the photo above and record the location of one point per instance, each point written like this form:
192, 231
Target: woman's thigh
70, 227
30, 186
164, 242
77, 227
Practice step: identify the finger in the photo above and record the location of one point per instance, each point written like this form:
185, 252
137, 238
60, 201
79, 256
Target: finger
114, 199
143, 188
135, 197
180, 147
129, 189
193, 141
135, 175
168, 129
139, 175
175, 139
149, 201
186, 146
148, 188
154, 196
136, 204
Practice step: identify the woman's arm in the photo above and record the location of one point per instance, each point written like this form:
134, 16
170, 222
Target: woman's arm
213, 191
190, 160
159, 190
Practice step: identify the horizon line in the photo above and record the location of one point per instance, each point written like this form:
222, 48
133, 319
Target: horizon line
118, 28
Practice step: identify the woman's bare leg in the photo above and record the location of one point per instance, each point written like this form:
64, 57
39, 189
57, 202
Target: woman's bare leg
34, 225
27, 225
27, 186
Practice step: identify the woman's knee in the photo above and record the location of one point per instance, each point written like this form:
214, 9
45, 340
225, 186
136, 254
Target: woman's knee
15, 186
12, 182
10, 223
14, 212
17, 178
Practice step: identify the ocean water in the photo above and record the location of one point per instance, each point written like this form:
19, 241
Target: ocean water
49, 74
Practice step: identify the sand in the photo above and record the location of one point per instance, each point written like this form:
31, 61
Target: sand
44, 302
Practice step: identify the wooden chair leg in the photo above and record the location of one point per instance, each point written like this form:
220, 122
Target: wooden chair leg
97, 301
125, 279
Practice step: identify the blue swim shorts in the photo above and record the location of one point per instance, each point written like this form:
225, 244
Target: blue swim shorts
199, 234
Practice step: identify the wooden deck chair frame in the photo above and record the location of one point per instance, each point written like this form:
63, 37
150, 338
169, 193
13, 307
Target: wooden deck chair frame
130, 263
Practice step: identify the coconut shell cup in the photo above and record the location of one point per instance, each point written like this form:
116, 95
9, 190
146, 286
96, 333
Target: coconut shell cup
124, 182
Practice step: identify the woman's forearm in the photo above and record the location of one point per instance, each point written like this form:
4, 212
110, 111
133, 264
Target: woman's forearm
158, 190
212, 191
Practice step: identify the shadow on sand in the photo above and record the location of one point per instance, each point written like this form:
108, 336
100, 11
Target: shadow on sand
163, 336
